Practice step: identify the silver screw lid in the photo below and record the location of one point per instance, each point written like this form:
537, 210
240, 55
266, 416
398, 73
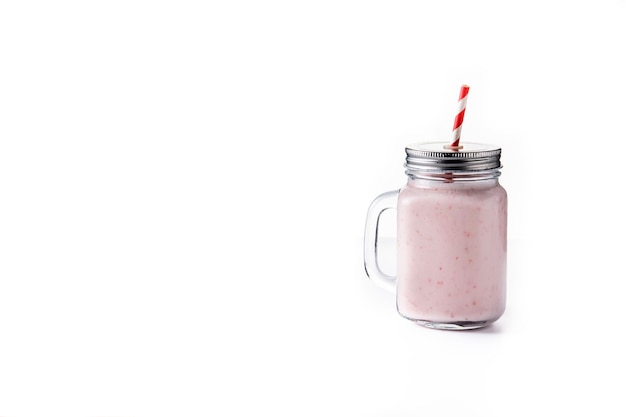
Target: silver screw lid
439, 157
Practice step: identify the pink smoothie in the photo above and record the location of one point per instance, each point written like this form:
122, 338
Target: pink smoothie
452, 251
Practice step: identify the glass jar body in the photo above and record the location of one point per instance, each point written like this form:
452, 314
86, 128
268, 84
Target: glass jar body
451, 255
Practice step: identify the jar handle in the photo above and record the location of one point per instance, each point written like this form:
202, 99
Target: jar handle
383, 202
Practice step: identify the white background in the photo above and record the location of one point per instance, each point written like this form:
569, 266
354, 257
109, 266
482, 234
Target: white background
183, 187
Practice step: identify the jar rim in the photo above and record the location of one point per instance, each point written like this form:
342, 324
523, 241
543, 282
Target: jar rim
439, 157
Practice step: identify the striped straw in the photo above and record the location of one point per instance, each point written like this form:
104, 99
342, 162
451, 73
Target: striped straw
458, 120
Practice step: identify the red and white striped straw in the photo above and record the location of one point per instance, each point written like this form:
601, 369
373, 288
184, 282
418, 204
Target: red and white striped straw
458, 120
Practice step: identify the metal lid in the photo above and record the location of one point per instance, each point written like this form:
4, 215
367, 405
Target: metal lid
439, 157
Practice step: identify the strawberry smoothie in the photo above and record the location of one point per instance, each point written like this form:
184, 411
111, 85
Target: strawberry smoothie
451, 255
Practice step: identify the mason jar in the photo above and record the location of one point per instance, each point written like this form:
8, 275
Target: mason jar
451, 237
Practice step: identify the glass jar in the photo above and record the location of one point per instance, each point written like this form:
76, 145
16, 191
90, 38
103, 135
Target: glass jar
451, 237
